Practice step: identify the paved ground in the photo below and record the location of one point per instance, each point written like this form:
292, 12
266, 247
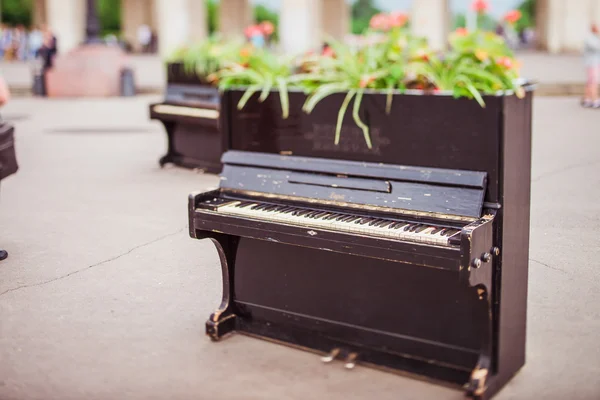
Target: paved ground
562, 74
104, 295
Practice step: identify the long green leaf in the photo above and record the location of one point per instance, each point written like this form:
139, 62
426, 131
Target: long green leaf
283, 97
247, 94
355, 109
340, 120
319, 94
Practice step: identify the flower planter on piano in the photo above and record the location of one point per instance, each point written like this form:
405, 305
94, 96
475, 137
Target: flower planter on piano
190, 115
298, 269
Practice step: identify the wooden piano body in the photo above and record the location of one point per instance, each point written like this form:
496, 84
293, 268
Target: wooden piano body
449, 308
190, 115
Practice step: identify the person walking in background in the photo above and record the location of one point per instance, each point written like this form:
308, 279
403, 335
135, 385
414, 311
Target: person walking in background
36, 40
591, 55
4, 97
144, 37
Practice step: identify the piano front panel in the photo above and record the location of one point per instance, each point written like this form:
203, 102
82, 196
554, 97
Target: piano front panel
417, 132
419, 311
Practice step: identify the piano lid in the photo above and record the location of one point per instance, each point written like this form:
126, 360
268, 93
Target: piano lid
391, 188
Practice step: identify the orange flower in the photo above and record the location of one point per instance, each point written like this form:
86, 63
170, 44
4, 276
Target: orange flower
422, 54
480, 6
512, 16
245, 52
397, 19
481, 55
365, 80
461, 31
267, 28
505, 62
380, 22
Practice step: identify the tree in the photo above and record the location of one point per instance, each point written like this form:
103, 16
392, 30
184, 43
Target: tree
15, 12
109, 13
527, 20
212, 10
362, 12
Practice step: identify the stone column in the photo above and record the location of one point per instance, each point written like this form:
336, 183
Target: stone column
39, 12
66, 18
133, 14
431, 19
336, 18
198, 20
300, 27
234, 17
173, 20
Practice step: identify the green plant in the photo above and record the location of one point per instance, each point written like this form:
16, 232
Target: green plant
480, 62
207, 57
258, 70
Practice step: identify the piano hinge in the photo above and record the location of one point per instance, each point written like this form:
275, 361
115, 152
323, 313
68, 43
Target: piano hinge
493, 206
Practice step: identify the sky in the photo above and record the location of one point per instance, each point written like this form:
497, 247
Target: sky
498, 7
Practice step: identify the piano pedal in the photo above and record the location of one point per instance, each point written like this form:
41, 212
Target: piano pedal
332, 356
351, 361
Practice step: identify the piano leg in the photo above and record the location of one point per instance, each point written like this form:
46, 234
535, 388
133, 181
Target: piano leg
478, 383
168, 158
222, 321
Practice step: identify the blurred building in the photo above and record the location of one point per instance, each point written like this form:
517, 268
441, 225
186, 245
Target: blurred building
561, 24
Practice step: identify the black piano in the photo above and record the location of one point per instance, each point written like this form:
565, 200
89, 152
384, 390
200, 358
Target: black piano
190, 115
412, 257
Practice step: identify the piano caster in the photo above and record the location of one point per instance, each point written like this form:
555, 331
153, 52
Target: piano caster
351, 361
476, 386
332, 356
3, 255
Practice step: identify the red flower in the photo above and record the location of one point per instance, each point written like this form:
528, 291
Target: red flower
461, 31
267, 28
505, 62
380, 22
397, 19
328, 52
253, 30
480, 6
512, 16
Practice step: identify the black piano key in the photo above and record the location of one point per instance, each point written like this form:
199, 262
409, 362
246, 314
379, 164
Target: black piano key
321, 214
354, 218
421, 228
269, 207
361, 221
309, 213
347, 218
436, 230
400, 225
286, 209
408, 227
366, 220
450, 232
374, 221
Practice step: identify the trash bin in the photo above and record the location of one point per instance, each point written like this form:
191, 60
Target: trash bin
127, 82
39, 82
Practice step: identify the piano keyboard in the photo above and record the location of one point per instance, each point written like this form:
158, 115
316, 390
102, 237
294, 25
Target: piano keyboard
372, 226
186, 111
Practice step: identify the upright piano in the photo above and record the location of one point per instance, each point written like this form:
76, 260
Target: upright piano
417, 266
190, 115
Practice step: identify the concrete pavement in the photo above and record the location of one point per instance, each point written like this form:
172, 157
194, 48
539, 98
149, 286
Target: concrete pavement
104, 295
